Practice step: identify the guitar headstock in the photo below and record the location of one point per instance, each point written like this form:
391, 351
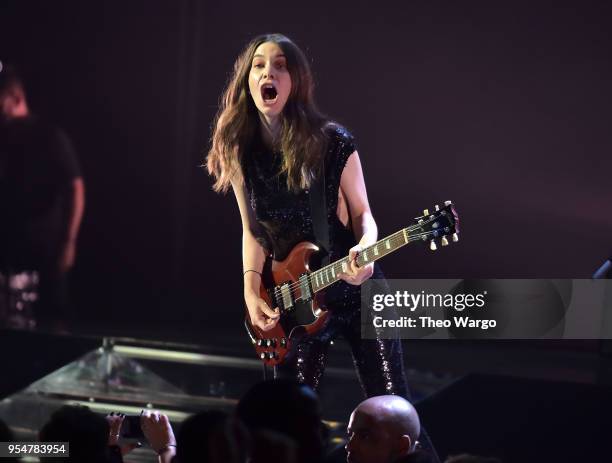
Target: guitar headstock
441, 224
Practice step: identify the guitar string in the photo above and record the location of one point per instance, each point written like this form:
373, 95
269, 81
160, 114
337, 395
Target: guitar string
294, 286
393, 238
400, 233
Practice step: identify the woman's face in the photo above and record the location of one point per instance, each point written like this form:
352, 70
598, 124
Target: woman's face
269, 80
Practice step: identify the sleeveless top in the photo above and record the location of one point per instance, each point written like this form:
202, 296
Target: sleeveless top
284, 217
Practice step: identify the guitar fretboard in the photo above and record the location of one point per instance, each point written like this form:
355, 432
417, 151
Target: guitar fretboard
328, 275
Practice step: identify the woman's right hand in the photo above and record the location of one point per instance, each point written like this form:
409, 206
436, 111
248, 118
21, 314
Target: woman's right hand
261, 315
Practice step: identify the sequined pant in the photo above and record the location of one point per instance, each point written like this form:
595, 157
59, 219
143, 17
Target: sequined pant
379, 362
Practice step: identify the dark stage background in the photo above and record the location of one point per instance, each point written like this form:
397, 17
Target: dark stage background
503, 107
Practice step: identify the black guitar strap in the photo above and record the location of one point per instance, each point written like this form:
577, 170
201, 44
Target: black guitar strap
318, 212
320, 225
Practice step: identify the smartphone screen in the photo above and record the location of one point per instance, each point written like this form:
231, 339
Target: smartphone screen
130, 428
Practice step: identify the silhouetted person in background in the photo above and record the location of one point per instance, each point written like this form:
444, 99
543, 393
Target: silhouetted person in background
279, 408
41, 205
86, 431
212, 436
7, 436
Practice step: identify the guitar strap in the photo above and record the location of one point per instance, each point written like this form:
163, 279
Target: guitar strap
320, 225
318, 212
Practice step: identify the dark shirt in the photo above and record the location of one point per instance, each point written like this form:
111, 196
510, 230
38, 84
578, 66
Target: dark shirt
285, 217
37, 167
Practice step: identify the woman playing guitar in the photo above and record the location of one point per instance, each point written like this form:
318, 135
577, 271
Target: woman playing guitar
270, 143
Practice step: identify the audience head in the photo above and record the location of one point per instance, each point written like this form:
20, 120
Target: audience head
382, 429
5, 433
86, 431
6, 436
212, 437
13, 102
288, 408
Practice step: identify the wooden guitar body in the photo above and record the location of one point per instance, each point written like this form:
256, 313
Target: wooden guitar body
297, 290
304, 315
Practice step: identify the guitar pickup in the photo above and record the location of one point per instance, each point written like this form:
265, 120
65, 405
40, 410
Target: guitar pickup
305, 289
286, 296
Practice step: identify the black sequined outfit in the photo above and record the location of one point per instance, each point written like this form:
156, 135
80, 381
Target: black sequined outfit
286, 220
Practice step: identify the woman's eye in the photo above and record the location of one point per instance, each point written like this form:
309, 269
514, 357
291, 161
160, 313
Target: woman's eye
281, 65
258, 65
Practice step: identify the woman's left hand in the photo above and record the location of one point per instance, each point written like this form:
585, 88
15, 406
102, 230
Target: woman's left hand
354, 274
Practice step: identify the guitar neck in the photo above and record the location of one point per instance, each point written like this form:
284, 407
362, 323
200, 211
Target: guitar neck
328, 275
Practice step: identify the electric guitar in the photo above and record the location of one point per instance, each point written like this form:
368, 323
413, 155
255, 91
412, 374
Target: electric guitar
291, 286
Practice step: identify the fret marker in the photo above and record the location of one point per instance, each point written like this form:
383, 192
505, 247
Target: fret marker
387, 244
365, 256
343, 267
376, 250
333, 272
405, 235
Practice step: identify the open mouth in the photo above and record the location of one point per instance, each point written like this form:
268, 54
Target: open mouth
269, 93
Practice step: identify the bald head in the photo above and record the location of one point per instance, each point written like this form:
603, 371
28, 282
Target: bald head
394, 413
382, 429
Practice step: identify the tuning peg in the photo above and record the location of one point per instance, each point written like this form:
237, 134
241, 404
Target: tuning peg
426, 212
448, 203
437, 207
455, 237
432, 245
444, 241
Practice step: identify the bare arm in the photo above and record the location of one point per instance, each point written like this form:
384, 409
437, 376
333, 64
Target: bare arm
74, 215
77, 208
353, 189
253, 258
253, 254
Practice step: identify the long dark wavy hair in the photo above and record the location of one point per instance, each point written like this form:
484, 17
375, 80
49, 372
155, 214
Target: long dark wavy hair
302, 138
